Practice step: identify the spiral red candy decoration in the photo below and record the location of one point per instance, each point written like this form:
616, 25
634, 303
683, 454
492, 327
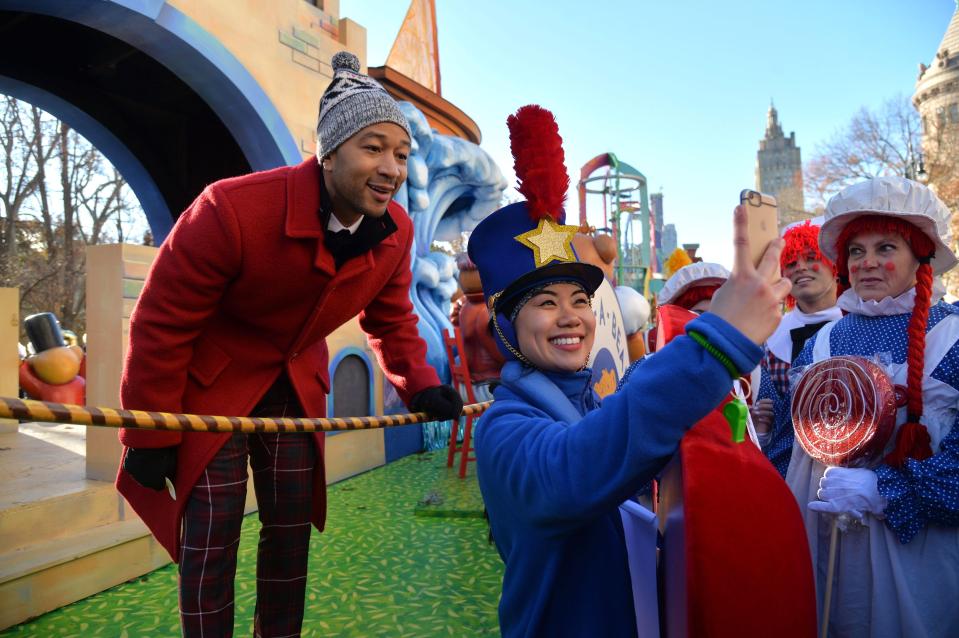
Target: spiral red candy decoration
844, 410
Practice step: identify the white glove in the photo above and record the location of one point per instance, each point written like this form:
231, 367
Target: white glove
853, 491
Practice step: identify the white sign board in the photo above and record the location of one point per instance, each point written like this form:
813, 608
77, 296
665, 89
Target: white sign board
610, 356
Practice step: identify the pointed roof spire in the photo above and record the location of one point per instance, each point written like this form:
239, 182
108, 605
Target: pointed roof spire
773, 129
947, 53
415, 51
950, 41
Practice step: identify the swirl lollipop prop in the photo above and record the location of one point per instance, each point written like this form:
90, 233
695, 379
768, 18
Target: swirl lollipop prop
843, 412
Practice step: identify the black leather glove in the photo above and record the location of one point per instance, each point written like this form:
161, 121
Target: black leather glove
151, 466
440, 401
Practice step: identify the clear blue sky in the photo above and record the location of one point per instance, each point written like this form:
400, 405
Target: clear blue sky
677, 89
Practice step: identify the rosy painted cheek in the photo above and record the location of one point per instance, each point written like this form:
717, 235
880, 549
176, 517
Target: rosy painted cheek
815, 267
854, 269
889, 266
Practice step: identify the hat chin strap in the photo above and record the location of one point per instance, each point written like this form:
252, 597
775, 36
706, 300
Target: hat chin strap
513, 351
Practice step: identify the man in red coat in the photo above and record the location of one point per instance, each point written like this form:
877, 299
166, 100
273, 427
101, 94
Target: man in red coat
232, 321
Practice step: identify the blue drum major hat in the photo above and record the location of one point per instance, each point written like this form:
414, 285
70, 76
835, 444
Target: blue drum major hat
526, 245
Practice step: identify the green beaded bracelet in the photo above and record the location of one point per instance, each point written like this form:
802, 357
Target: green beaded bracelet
713, 350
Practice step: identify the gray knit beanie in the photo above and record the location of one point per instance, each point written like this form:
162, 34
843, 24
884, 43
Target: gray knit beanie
352, 102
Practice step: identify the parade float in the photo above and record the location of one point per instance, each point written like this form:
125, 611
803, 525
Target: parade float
226, 110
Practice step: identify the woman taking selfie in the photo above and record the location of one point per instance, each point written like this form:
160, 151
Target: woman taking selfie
897, 572
552, 464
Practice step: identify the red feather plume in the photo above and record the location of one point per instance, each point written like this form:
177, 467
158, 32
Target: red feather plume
539, 161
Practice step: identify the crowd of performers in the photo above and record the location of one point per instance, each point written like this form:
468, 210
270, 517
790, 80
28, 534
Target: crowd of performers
553, 464
261, 268
865, 283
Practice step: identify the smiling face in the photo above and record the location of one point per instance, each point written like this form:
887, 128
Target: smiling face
556, 327
881, 265
814, 285
364, 172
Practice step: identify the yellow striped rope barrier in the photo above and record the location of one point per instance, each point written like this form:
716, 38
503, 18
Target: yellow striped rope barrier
46, 411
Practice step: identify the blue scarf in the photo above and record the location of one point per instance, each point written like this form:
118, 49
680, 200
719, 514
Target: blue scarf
547, 389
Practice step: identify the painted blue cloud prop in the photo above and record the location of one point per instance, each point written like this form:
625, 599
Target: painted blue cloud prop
452, 185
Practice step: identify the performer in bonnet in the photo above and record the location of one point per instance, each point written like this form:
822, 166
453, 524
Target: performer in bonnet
553, 466
897, 573
692, 287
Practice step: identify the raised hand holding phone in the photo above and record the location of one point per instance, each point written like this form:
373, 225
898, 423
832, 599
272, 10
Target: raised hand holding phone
763, 221
751, 298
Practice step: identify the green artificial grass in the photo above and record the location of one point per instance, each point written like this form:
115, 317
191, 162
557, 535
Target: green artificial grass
404, 554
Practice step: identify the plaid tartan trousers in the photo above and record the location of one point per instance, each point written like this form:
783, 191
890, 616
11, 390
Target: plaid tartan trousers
282, 467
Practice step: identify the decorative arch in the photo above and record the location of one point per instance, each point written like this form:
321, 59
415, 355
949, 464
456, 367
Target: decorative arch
160, 96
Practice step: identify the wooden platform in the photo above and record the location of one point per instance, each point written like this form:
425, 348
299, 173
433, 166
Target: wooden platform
62, 537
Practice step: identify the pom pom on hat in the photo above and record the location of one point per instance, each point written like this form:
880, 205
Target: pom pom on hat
352, 102
345, 60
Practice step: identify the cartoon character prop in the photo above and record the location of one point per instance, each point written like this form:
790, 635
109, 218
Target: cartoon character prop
52, 373
609, 357
599, 249
636, 313
471, 315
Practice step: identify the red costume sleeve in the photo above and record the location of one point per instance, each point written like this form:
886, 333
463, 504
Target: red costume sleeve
390, 326
184, 287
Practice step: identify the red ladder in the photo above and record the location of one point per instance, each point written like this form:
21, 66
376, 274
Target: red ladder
461, 376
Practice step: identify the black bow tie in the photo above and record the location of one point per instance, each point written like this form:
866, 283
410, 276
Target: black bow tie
344, 245
802, 334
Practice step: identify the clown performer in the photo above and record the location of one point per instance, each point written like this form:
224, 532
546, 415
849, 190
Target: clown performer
553, 466
232, 321
812, 304
897, 568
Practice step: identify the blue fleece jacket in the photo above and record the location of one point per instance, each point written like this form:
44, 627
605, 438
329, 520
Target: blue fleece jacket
553, 473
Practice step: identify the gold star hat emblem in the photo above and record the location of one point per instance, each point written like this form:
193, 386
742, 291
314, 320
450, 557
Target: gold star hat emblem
549, 241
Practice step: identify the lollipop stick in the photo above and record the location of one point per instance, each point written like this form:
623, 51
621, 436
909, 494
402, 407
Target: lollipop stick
830, 572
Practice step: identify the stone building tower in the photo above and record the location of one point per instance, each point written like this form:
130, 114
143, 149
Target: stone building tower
937, 100
779, 170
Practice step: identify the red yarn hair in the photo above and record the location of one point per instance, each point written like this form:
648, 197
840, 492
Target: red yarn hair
802, 241
912, 440
694, 295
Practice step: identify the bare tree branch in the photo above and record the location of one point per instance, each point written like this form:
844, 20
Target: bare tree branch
57, 195
877, 143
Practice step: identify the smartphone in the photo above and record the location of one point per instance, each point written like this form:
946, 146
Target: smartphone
763, 216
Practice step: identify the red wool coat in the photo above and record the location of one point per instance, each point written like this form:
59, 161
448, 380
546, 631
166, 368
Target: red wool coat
242, 289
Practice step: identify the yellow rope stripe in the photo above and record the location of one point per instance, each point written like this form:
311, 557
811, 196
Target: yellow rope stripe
49, 412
